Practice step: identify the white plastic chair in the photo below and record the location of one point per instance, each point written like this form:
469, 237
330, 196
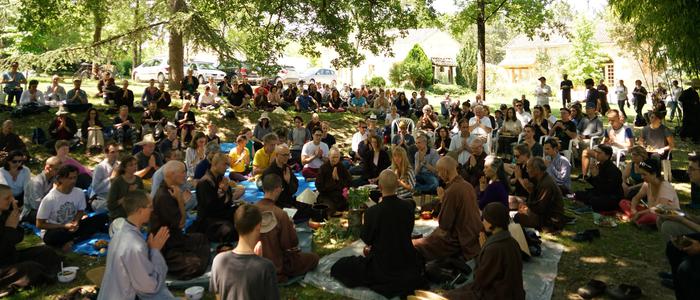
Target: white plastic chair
395, 126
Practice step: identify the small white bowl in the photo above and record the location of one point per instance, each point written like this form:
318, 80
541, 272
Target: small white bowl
194, 293
67, 274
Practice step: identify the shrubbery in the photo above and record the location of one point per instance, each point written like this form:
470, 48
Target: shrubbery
376, 81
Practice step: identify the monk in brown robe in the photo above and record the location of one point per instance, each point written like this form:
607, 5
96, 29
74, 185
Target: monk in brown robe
459, 220
499, 268
281, 244
544, 206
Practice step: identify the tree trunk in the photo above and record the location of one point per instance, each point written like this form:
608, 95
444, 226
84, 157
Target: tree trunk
96, 37
137, 43
481, 48
176, 49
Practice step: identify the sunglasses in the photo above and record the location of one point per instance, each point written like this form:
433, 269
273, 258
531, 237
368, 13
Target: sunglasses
518, 105
18, 161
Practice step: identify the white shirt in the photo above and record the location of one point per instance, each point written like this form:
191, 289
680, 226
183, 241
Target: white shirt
60, 208
621, 92
17, 185
207, 99
478, 131
523, 117
101, 178
675, 93
60, 94
542, 94
456, 144
310, 149
357, 138
26, 97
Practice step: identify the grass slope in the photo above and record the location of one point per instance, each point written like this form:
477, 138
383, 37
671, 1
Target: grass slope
622, 255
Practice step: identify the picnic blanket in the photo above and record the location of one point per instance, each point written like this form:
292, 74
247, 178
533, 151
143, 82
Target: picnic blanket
538, 274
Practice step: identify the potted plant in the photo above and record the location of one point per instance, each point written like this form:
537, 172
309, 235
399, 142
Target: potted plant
357, 197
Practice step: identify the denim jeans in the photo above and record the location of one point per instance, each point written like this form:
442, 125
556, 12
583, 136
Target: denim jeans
426, 182
672, 106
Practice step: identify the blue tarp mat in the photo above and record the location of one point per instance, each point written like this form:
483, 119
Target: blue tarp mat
86, 247
253, 194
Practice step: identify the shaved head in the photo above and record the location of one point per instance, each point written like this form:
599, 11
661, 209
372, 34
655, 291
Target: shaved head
446, 168
388, 182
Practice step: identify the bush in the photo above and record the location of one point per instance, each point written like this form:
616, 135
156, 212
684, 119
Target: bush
396, 74
124, 67
376, 81
417, 68
452, 89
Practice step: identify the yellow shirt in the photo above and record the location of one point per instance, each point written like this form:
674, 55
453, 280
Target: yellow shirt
262, 159
233, 155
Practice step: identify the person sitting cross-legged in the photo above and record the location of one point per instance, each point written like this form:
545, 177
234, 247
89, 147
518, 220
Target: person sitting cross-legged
657, 192
333, 179
424, 163
499, 267
215, 207
37, 188
606, 180
243, 273
459, 221
392, 266
124, 180
60, 214
187, 254
20, 268
557, 165
313, 154
544, 207
136, 268
281, 244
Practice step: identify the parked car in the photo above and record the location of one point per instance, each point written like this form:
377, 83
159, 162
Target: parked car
287, 74
230, 68
155, 68
249, 72
324, 75
205, 70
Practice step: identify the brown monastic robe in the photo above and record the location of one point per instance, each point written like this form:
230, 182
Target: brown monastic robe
459, 225
498, 274
281, 245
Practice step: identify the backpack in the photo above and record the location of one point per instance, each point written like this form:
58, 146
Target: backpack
38, 136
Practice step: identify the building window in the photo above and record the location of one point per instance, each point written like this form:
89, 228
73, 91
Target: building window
610, 74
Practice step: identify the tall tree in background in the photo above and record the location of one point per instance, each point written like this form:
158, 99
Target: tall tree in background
585, 58
531, 17
669, 27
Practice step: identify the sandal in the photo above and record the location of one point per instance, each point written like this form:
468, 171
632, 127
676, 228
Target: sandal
593, 288
625, 292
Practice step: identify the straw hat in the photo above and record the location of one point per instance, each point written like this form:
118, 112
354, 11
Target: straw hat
279, 110
269, 221
264, 116
695, 83
147, 139
307, 196
62, 111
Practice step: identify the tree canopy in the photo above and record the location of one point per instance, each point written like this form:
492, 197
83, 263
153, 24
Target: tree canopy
257, 30
669, 27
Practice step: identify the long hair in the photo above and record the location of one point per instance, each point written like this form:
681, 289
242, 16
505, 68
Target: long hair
198, 135
403, 168
497, 167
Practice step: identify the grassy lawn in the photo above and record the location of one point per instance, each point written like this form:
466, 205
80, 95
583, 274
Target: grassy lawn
622, 255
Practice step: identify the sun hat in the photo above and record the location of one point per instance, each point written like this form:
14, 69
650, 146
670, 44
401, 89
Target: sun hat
62, 111
269, 221
264, 116
147, 139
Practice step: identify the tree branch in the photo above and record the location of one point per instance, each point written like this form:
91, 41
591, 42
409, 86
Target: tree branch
500, 5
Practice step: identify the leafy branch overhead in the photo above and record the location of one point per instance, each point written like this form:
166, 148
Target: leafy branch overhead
256, 30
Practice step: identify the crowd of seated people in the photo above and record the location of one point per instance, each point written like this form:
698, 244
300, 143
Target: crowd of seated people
463, 158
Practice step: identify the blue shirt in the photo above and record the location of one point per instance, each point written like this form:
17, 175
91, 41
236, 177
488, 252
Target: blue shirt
359, 101
560, 170
304, 102
12, 83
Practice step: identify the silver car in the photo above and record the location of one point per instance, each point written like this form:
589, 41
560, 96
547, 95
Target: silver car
204, 71
323, 75
155, 68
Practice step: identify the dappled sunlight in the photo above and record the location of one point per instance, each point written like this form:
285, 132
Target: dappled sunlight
594, 259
